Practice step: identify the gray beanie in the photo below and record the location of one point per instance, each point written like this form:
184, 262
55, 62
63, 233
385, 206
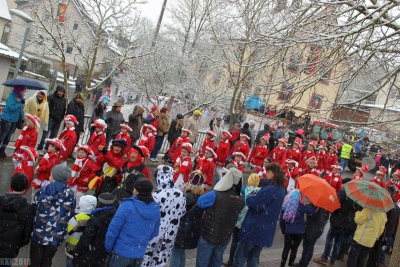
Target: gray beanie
61, 173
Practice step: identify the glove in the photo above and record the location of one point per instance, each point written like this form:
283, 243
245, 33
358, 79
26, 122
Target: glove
23, 101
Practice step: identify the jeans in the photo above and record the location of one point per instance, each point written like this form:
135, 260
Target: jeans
246, 252
292, 243
209, 255
41, 255
7, 130
343, 164
234, 243
178, 257
68, 262
358, 255
120, 261
335, 234
53, 128
375, 253
308, 250
157, 146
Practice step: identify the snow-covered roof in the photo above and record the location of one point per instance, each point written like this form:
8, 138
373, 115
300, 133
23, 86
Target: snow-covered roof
4, 13
5, 51
391, 108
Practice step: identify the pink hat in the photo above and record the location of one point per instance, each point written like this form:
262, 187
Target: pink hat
153, 108
31, 151
151, 127
211, 151
300, 131
239, 154
126, 127
56, 143
34, 119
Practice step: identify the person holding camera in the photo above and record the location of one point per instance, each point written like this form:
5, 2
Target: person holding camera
12, 115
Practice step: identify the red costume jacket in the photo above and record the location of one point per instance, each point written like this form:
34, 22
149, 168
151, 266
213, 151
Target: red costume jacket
331, 159
258, 154
222, 152
182, 166
112, 159
96, 140
138, 165
69, 138
278, 155
335, 181
148, 140
82, 169
46, 164
397, 192
208, 142
308, 171
262, 172
304, 157
25, 167
207, 168
240, 146
128, 141
294, 154
235, 136
175, 150
379, 182
357, 177
291, 174
239, 165
321, 160
28, 137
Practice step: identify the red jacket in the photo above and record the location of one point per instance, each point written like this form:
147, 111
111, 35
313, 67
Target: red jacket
235, 136
397, 192
148, 140
262, 172
46, 164
222, 152
207, 168
239, 165
175, 150
335, 181
28, 137
114, 160
379, 182
308, 171
304, 157
258, 154
128, 141
291, 174
321, 160
97, 140
208, 142
81, 170
240, 146
331, 159
278, 155
25, 167
294, 154
69, 138
357, 177
183, 166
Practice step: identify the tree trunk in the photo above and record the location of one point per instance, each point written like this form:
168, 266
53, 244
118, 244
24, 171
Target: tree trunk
157, 31
170, 102
395, 258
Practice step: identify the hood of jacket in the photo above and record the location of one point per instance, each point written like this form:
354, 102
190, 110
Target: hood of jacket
105, 214
147, 211
53, 191
12, 202
56, 95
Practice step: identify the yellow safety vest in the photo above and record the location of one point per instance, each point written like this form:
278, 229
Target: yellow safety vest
346, 150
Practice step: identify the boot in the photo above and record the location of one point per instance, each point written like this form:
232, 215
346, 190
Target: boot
3, 152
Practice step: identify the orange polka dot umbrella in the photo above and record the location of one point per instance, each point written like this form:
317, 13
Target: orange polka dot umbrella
369, 195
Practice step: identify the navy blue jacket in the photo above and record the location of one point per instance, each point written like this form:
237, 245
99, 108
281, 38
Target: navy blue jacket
132, 228
298, 226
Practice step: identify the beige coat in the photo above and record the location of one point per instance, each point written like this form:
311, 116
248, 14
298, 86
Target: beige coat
41, 110
192, 125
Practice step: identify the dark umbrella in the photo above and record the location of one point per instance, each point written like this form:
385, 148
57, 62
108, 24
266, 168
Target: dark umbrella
29, 84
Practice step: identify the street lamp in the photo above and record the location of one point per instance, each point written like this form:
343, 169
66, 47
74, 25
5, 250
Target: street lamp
29, 21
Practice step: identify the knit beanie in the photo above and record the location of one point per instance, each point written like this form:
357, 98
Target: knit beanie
61, 173
105, 199
144, 188
131, 179
87, 203
254, 179
19, 182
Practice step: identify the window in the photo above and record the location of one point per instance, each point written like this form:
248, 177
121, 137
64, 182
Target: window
295, 62
75, 26
315, 101
6, 33
312, 60
69, 50
286, 93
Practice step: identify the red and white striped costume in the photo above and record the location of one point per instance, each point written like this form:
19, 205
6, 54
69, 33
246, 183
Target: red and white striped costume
183, 168
96, 140
258, 154
148, 140
68, 138
46, 164
128, 141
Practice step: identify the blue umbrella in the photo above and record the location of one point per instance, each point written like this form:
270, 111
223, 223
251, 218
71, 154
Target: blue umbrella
29, 84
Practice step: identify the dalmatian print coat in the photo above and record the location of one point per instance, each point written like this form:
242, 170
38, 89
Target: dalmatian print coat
172, 207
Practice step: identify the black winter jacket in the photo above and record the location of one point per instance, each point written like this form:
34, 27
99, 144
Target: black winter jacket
16, 222
315, 224
190, 227
57, 107
173, 132
114, 120
78, 110
90, 248
344, 217
262, 133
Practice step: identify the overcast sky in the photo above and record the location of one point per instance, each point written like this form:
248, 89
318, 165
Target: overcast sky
152, 10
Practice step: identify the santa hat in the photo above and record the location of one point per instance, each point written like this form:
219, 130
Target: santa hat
56, 143
397, 173
298, 141
312, 159
245, 135
34, 119
31, 152
363, 169
99, 123
382, 170
151, 127
70, 119
337, 167
184, 130
291, 161
313, 143
211, 151
265, 137
211, 133
284, 140
145, 151
126, 127
87, 149
239, 154
188, 147
226, 133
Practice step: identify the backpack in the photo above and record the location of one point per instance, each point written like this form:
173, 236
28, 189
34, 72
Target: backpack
163, 124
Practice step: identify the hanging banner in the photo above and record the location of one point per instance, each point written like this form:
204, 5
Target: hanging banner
62, 8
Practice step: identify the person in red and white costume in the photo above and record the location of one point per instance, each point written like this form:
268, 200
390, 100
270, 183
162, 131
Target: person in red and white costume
291, 173
334, 179
307, 154
97, 141
262, 172
295, 152
136, 162
183, 166
124, 134
46, 164
311, 167
175, 150
379, 178
208, 142
83, 171
331, 159
278, 155
28, 137
259, 152
146, 153
68, 138
242, 145
321, 160
207, 167
239, 160
148, 139
395, 182
360, 171
222, 152
26, 164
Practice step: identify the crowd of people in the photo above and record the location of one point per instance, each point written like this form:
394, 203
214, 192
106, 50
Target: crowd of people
201, 199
